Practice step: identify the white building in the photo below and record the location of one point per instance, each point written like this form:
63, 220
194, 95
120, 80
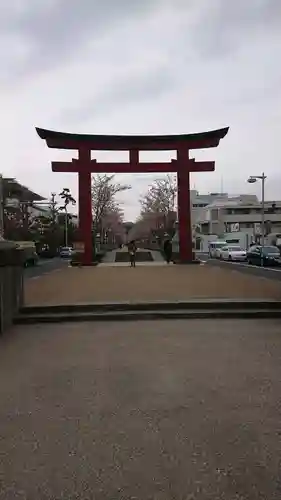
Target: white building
239, 214
201, 202
232, 218
45, 211
74, 220
39, 211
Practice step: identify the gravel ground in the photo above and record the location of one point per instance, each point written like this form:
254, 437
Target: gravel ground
147, 283
186, 410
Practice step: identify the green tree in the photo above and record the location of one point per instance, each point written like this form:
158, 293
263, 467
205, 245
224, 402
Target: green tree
67, 199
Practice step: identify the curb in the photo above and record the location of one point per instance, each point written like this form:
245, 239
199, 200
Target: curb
148, 315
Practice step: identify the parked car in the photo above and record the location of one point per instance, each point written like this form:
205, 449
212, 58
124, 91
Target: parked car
29, 251
271, 255
47, 252
66, 252
234, 253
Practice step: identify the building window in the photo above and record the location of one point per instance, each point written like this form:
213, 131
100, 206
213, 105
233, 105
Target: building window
243, 211
205, 228
215, 214
247, 225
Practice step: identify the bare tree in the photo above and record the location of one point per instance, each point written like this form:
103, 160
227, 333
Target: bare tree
112, 223
160, 197
159, 202
104, 203
144, 226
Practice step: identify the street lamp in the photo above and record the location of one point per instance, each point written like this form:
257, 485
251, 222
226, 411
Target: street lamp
252, 179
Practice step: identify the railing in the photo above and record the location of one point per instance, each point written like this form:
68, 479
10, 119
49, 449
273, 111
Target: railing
251, 218
11, 286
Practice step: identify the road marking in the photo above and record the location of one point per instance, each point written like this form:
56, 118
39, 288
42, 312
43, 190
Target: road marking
45, 262
51, 272
44, 274
243, 264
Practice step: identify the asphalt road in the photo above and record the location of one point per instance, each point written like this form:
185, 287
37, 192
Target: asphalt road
44, 266
266, 272
173, 410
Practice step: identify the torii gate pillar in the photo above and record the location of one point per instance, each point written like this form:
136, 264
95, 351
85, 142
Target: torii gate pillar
184, 208
84, 166
85, 203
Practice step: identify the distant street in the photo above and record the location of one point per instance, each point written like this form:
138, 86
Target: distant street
45, 266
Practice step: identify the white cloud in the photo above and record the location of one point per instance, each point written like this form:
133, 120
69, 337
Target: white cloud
148, 67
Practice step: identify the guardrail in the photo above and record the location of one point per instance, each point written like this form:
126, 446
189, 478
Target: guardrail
11, 285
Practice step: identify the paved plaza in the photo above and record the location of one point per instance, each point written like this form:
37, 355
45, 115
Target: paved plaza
152, 410
149, 282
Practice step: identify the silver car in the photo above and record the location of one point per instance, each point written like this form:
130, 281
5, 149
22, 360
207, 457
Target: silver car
66, 252
234, 253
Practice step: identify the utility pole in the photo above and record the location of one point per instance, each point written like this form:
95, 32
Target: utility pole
53, 209
66, 228
263, 177
252, 179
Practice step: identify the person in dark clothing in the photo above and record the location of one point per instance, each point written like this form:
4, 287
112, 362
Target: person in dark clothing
168, 250
132, 253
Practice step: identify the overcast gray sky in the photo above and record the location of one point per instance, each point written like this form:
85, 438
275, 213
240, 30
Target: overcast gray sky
149, 66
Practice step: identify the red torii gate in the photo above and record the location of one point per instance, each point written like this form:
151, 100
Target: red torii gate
182, 165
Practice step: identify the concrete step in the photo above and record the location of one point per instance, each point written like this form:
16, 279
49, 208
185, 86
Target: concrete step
219, 313
141, 256
195, 304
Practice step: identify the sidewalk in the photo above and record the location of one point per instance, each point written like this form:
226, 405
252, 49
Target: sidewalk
149, 282
110, 257
142, 410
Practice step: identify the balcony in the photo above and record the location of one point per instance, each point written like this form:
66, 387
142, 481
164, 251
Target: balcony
251, 218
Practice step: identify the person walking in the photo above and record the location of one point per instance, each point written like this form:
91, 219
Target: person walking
168, 250
132, 253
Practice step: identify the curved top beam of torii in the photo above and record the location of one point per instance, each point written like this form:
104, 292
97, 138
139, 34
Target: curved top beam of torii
63, 140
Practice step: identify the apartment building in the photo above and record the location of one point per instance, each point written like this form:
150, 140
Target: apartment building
233, 218
15, 200
240, 214
38, 211
199, 202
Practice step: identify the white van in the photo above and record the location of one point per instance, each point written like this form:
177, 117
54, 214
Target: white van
214, 248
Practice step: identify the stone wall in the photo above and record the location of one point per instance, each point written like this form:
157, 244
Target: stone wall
11, 283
